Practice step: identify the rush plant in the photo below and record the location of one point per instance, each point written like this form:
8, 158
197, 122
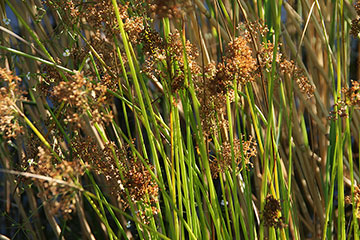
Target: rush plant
179, 119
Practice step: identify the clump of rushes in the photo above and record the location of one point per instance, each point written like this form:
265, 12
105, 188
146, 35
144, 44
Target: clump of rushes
243, 152
10, 96
82, 95
128, 178
272, 213
230, 123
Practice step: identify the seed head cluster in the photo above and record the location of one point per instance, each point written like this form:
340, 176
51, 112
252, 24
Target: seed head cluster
10, 96
352, 94
127, 176
82, 95
170, 55
239, 62
351, 98
289, 68
243, 152
348, 200
266, 54
100, 18
238, 66
164, 8
70, 10
172, 9
340, 110
272, 213
355, 23
61, 198
254, 31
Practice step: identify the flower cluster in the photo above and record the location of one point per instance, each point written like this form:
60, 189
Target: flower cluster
10, 95
255, 31
355, 23
351, 99
99, 17
272, 213
352, 94
266, 54
127, 176
243, 151
218, 82
164, 8
102, 160
340, 110
141, 187
348, 200
289, 68
239, 62
82, 95
170, 55
70, 9
60, 195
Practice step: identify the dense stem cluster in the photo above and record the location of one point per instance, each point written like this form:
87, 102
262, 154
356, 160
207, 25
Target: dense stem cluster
179, 119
